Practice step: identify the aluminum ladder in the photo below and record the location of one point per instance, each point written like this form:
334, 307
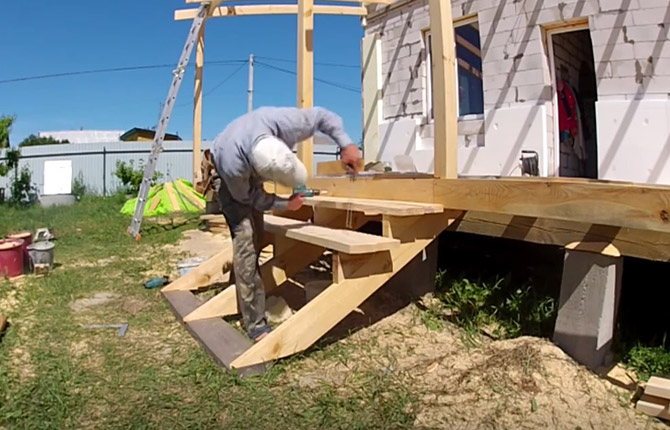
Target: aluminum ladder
157, 147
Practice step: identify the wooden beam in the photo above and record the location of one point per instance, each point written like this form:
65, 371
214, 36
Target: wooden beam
335, 168
591, 202
197, 103
305, 69
648, 245
401, 188
273, 9
443, 71
205, 273
360, 278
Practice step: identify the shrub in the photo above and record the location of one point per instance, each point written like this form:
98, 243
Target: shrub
131, 178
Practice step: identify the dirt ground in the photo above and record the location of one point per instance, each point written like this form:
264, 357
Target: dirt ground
524, 383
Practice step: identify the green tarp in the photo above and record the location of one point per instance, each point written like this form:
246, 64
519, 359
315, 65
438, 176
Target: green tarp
167, 198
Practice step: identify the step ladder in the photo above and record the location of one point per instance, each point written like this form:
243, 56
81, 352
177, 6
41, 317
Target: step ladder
362, 263
166, 111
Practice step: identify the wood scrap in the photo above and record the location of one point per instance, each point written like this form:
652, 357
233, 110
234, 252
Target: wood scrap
655, 401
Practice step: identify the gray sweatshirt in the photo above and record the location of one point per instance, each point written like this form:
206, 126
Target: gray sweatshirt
232, 147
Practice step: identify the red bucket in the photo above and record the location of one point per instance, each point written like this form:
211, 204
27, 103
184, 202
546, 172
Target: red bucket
11, 257
26, 236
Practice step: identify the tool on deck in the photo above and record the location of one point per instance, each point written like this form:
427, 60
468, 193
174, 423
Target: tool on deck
157, 147
156, 282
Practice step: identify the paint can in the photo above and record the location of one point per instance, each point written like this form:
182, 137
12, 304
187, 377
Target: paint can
41, 254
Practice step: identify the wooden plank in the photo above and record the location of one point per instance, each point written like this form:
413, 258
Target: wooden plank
171, 197
347, 241
652, 406
221, 341
401, 188
631, 242
361, 280
658, 387
185, 192
205, 273
372, 84
334, 168
197, 103
373, 207
443, 71
305, 74
621, 205
272, 9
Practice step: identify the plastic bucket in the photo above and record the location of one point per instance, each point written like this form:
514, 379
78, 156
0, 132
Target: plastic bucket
41, 253
187, 265
26, 236
11, 257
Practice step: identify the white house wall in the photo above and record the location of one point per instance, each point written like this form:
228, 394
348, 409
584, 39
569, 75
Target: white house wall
632, 61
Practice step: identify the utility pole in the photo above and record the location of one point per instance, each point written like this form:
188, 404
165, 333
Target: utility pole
250, 91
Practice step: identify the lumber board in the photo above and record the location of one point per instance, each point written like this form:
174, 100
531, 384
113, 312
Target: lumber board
443, 71
622, 205
322, 313
221, 341
197, 102
658, 387
271, 9
630, 242
371, 207
347, 241
205, 273
305, 74
652, 406
399, 188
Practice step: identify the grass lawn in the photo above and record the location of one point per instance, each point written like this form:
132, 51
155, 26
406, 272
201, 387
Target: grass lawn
54, 374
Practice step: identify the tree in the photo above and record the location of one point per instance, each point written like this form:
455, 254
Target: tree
33, 140
6, 122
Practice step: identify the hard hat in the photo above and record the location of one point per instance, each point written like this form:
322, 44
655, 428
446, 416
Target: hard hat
273, 160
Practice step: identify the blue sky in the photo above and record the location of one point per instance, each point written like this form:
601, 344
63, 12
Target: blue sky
64, 36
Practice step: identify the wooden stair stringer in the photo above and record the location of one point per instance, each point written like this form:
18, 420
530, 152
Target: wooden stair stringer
331, 306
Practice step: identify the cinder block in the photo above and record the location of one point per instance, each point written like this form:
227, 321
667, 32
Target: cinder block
538, 92
644, 50
618, 86
621, 51
648, 33
497, 13
616, 5
603, 21
646, 15
589, 298
623, 69
607, 37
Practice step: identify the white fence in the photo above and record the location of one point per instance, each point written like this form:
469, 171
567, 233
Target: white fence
96, 162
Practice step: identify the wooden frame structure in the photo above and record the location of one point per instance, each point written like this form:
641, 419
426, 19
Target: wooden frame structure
596, 216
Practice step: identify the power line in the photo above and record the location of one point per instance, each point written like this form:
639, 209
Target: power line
217, 86
334, 84
108, 70
284, 60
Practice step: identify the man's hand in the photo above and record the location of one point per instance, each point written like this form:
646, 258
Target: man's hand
350, 156
295, 202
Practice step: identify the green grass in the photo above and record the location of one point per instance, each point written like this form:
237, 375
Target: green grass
56, 375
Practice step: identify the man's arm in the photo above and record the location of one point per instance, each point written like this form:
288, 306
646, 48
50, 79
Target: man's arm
330, 124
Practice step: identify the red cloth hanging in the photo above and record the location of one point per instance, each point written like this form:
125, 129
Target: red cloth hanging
567, 110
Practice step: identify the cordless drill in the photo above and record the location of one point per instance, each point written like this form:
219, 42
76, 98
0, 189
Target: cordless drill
302, 189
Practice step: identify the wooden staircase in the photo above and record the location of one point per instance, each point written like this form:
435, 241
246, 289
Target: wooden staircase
362, 263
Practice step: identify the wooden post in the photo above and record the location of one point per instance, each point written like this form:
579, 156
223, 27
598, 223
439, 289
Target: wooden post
305, 72
443, 70
197, 104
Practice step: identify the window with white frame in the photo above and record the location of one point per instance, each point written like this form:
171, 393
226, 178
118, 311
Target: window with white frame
469, 69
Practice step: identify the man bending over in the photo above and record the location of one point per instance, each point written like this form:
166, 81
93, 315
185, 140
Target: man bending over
254, 148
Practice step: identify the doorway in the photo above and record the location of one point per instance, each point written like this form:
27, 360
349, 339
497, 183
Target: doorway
575, 96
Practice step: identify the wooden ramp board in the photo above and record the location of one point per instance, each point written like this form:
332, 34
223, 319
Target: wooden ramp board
373, 207
346, 241
221, 341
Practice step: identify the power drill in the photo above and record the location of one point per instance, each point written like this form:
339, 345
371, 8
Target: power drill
302, 189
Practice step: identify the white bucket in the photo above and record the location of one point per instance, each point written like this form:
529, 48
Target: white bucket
187, 265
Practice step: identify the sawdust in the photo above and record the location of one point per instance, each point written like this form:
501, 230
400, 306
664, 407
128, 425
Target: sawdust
134, 306
21, 363
524, 383
196, 243
98, 299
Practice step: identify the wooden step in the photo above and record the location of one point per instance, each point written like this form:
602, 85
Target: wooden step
372, 207
346, 241
221, 341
